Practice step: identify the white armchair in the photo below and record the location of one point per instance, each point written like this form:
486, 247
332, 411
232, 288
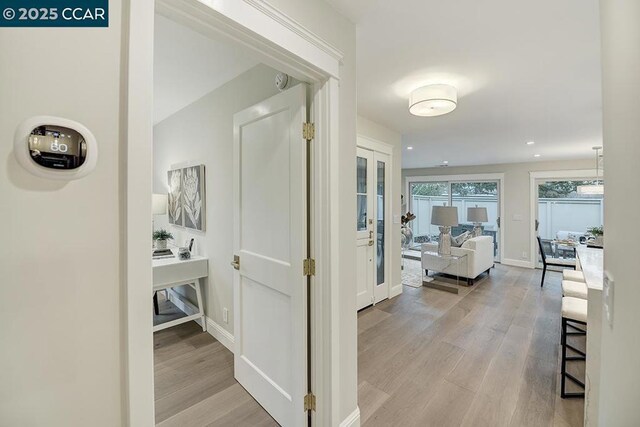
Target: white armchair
479, 251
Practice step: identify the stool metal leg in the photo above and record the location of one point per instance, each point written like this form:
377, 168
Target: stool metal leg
582, 356
156, 308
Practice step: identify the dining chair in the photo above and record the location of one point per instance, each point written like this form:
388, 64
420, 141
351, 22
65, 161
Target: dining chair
552, 263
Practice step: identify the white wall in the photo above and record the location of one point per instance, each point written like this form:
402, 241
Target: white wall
516, 225
61, 330
373, 130
620, 369
202, 133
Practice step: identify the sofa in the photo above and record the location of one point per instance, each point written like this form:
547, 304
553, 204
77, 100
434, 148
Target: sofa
479, 259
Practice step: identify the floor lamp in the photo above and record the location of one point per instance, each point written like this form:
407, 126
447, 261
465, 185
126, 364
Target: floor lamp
445, 217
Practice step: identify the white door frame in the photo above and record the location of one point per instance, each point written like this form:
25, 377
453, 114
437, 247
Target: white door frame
467, 177
382, 147
292, 48
534, 176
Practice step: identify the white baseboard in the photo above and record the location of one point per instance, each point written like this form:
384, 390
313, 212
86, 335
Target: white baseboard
221, 334
517, 263
215, 330
395, 291
353, 420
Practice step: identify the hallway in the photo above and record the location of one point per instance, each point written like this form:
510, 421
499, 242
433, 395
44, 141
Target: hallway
489, 357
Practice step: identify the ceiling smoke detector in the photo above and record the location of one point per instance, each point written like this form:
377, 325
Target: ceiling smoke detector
282, 81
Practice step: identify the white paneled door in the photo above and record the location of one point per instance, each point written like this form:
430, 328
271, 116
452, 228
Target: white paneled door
372, 191
270, 241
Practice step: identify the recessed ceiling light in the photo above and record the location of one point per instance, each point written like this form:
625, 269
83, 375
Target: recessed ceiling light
409, 148
536, 155
530, 142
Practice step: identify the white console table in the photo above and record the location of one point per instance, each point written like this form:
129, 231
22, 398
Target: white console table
173, 272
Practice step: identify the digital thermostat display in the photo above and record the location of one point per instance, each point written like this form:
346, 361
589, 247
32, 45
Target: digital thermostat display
57, 147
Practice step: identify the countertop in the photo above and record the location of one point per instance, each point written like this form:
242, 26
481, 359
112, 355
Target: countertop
592, 263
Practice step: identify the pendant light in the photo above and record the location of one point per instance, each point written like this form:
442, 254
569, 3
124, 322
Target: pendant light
596, 188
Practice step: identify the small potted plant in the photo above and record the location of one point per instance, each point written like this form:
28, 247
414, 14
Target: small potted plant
161, 236
598, 234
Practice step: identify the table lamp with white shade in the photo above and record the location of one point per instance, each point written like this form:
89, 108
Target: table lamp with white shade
445, 217
158, 205
477, 216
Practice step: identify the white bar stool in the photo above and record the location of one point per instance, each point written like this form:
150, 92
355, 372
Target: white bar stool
573, 275
574, 289
574, 312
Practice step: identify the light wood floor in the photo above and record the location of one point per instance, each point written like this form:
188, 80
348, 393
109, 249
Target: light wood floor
194, 384
489, 357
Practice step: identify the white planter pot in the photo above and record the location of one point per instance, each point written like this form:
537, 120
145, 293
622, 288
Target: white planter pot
161, 244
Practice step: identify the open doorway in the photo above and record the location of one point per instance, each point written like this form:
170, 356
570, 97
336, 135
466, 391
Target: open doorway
231, 234
285, 45
565, 218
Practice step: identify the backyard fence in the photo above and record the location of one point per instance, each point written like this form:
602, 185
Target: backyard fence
554, 214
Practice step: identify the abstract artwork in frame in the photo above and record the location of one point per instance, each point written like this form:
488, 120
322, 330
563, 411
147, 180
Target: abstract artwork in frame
174, 202
193, 197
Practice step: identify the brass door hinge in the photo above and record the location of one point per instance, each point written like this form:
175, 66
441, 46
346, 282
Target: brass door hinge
309, 267
310, 402
308, 131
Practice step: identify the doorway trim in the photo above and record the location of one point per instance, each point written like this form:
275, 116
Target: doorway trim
374, 145
467, 177
293, 49
534, 176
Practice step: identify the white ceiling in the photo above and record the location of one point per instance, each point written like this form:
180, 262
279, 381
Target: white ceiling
525, 70
187, 65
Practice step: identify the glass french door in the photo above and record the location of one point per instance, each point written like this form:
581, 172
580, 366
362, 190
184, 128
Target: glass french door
461, 194
373, 211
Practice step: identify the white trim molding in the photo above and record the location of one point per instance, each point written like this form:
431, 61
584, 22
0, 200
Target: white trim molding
236, 20
352, 420
221, 334
297, 28
374, 145
394, 291
534, 177
215, 330
517, 263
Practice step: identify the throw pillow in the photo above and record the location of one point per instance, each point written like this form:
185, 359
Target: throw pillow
460, 239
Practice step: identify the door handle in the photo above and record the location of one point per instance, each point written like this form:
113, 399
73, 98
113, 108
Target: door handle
371, 242
236, 262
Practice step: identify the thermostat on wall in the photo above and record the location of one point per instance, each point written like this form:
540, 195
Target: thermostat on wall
55, 148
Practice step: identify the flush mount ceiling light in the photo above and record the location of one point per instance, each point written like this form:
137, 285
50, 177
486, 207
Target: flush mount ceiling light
433, 100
